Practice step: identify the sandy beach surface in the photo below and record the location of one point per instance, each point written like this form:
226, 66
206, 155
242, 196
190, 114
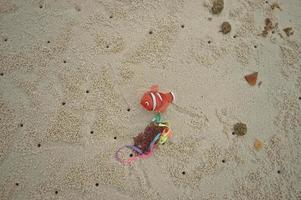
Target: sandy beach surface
72, 73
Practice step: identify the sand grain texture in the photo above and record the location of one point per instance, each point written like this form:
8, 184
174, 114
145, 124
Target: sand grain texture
72, 73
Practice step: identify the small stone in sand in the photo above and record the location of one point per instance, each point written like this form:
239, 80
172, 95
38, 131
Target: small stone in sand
258, 144
226, 27
252, 78
240, 129
218, 6
288, 31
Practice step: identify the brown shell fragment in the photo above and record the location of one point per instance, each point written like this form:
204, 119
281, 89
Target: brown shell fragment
268, 27
218, 6
240, 129
252, 78
258, 144
275, 5
288, 31
226, 27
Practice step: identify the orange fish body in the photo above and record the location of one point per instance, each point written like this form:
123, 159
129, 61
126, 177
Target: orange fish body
154, 100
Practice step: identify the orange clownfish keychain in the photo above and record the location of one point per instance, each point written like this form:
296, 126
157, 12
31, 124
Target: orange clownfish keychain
154, 100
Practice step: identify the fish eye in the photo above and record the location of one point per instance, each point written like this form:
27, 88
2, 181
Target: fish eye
146, 103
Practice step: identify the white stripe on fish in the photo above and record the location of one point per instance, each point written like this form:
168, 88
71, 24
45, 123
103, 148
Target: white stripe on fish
159, 96
173, 96
154, 101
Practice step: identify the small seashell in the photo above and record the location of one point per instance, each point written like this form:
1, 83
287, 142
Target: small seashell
240, 129
226, 27
252, 78
218, 6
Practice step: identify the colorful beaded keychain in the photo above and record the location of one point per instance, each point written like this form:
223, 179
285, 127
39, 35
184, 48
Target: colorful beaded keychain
156, 133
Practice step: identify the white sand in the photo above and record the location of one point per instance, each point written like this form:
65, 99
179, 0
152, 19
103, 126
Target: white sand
116, 60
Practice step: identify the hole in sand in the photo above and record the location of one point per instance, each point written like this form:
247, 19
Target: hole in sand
65, 61
278, 172
234, 36
255, 46
111, 16
299, 97
39, 145
223, 161
182, 26
107, 46
56, 192
96, 184
183, 173
5, 39
150, 32
87, 91
48, 41
266, 2
63, 103
233, 133
209, 42
40, 6
128, 109
1, 74
21, 125
91, 132
17, 184
131, 155
78, 8
115, 138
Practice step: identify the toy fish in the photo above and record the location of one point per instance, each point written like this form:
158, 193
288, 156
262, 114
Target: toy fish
154, 100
